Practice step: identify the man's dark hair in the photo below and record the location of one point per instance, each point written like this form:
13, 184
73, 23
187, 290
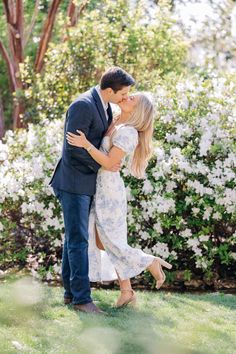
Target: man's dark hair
116, 78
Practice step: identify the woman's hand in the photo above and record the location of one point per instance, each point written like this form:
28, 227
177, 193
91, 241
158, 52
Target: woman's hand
77, 140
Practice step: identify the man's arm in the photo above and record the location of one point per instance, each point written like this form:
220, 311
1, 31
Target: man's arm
79, 117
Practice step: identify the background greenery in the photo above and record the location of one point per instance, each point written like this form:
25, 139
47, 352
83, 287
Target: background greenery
184, 210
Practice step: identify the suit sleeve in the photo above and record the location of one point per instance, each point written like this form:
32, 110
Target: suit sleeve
79, 117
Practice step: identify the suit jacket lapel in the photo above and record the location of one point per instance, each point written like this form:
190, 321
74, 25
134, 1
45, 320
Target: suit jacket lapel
100, 108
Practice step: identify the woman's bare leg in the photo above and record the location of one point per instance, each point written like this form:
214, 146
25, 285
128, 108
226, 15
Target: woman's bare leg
98, 240
124, 284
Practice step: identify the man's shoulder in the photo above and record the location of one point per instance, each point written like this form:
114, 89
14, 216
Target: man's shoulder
83, 100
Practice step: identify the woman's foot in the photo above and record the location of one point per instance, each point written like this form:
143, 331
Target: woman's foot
157, 271
126, 297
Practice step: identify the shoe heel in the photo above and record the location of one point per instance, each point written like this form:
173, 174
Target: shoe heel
160, 282
164, 263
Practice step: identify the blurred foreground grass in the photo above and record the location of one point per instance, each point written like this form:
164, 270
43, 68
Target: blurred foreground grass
33, 320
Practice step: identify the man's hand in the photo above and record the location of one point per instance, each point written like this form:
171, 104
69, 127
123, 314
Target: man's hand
115, 168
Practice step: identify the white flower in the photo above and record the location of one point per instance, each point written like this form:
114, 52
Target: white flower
205, 143
204, 238
57, 268
144, 235
195, 211
157, 227
183, 102
57, 243
217, 216
174, 254
160, 153
186, 233
147, 250
207, 213
49, 276
147, 187
197, 251
129, 194
188, 200
167, 118
161, 249
170, 186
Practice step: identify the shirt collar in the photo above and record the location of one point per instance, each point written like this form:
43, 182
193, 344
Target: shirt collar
105, 105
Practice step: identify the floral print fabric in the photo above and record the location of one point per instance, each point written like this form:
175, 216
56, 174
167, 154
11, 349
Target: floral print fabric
108, 214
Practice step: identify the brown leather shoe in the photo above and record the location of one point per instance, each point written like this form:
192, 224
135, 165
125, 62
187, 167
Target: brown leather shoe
67, 300
88, 308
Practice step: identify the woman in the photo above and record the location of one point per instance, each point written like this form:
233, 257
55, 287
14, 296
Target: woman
110, 257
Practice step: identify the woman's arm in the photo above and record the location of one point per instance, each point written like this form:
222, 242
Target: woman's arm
107, 161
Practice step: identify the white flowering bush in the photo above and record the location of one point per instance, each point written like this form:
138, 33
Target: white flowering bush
210, 29
31, 226
184, 209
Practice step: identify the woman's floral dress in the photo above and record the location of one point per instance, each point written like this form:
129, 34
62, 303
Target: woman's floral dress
108, 213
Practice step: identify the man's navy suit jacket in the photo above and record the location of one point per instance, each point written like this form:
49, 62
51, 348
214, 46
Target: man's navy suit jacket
76, 171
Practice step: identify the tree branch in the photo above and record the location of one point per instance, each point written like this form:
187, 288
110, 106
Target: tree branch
14, 16
30, 30
10, 67
46, 35
73, 13
81, 9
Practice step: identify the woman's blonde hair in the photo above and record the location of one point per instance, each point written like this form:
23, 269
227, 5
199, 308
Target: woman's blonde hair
142, 120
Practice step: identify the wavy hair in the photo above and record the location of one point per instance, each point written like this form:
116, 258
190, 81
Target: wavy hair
142, 119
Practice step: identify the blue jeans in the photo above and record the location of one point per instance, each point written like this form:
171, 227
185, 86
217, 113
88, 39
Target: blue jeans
75, 266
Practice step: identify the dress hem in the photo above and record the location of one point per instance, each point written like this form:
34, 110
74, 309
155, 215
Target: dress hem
131, 276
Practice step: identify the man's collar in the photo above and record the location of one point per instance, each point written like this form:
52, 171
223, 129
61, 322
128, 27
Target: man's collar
105, 105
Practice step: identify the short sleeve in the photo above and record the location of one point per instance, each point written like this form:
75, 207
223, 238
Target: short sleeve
126, 138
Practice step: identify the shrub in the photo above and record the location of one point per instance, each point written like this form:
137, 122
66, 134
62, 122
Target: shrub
183, 211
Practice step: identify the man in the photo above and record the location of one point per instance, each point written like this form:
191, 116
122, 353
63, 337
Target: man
74, 180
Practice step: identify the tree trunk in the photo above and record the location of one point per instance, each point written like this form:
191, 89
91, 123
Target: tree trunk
14, 56
73, 12
15, 25
46, 35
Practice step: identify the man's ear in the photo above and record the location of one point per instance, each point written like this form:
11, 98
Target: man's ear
110, 91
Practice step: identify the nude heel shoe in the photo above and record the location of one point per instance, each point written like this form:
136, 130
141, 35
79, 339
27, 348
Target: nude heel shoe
157, 271
128, 301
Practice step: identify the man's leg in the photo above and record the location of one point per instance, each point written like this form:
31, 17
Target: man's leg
65, 273
75, 254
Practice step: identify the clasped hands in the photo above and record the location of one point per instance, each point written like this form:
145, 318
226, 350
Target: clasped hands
81, 141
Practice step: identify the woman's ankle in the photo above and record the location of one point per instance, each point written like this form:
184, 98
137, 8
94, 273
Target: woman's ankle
125, 290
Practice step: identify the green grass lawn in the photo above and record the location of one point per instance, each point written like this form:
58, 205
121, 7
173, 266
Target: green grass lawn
34, 320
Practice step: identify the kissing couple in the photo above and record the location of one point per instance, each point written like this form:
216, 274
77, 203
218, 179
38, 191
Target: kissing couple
92, 194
